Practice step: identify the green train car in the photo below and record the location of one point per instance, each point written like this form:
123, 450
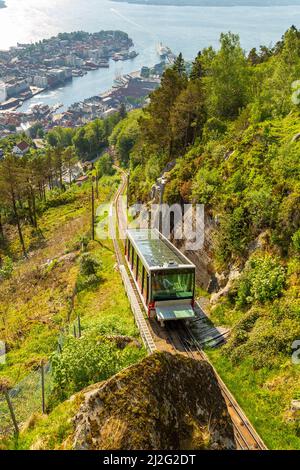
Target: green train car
165, 278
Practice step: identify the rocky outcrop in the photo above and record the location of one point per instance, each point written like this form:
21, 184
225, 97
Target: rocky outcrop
233, 275
164, 402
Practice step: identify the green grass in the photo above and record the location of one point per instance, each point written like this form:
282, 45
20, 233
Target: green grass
265, 396
48, 432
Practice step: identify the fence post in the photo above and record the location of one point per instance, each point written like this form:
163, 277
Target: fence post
12, 413
43, 387
79, 326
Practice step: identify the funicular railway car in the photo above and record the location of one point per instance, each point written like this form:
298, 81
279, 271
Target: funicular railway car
164, 277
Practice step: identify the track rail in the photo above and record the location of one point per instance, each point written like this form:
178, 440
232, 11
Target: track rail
129, 284
183, 341
245, 435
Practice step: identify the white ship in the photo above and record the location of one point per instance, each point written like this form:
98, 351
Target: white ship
162, 50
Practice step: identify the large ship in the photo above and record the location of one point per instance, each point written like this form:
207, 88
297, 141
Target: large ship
163, 51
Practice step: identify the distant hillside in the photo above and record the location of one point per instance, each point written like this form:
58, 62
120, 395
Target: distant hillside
215, 3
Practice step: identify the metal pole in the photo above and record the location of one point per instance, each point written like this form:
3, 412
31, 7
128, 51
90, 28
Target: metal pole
12, 413
93, 213
97, 184
79, 326
127, 189
43, 388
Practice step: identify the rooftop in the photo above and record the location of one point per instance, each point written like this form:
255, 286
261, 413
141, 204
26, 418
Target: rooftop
156, 250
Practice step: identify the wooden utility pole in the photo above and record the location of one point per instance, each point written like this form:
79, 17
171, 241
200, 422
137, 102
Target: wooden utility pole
93, 212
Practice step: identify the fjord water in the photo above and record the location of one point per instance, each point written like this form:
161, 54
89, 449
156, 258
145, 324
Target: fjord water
185, 29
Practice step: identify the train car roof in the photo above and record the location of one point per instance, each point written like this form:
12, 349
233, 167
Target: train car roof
156, 251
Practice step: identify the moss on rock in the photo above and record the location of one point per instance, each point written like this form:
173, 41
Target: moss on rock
164, 402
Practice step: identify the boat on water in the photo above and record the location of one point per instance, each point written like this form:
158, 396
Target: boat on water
163, 51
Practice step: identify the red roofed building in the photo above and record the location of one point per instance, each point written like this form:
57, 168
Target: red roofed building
21, 148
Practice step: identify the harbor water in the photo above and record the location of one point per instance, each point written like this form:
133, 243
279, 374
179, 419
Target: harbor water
183, 29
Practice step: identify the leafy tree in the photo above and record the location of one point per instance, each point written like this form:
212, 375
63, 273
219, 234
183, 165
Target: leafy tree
188, 115
69, 159
125, 135
155, 124
228, 79
104, 165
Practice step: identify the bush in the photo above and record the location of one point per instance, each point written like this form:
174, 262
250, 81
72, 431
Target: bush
89, 265
88, 360
205, 185
296, 241
263, 279
58, 198
214, 129
89, 272
6, 268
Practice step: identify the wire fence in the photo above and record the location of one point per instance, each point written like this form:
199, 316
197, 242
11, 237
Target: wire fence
31, 395
27, 397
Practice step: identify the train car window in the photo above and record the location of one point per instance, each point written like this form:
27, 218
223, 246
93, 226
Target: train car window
137, 267
172, 285
140, 271
147, 288
143, 279
128, 249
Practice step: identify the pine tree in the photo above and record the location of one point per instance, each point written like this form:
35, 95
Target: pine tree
197, 71
179, 66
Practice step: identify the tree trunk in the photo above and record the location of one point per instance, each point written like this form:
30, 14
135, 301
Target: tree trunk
1, 228
18, 223
30, 210
33, 207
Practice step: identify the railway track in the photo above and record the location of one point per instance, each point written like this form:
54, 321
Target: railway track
183, 341
246, 437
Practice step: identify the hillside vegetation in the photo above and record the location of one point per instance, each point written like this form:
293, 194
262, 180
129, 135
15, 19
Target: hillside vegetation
57, 284
232, 132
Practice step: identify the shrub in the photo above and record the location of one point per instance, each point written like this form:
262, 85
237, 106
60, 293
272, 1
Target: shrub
88, 360
89, 275
214, 129
233, 236
205, 185
6, 268
88, 264
263, 279
296, 241
58, 198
